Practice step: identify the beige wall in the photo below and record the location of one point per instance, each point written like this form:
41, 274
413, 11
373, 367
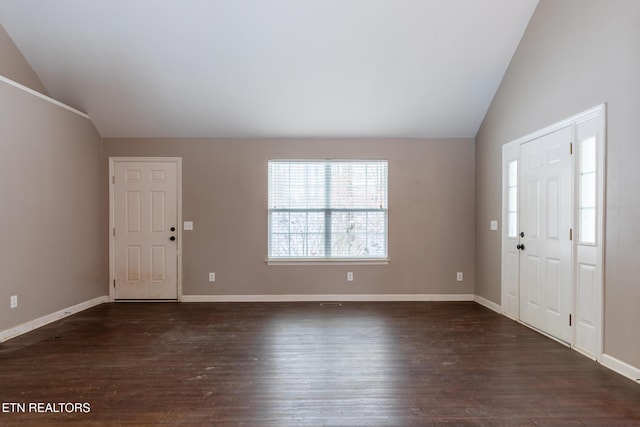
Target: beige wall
431, 206
14, 66
574, 55
51, 208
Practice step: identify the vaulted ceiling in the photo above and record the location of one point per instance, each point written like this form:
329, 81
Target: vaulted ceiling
272, 68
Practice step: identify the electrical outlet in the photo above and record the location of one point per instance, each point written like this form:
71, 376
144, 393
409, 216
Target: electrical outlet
350, 276
459, 276
212, 277
14, 301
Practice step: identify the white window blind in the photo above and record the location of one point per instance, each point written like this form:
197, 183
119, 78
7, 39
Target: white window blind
327, 209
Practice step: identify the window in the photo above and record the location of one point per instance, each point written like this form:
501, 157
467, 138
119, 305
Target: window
512, 199
327, 209
587, 191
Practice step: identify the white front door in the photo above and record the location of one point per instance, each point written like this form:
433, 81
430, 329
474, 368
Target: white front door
541, 284
545, 227
145, 222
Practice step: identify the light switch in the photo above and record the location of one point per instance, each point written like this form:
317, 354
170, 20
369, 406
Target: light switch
188, 225
494, 225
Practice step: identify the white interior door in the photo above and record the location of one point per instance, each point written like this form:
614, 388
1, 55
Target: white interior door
545, 226
145, 221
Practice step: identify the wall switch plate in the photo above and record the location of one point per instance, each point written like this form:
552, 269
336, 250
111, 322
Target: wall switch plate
212, 277
14, 301
188, 225
350, 276
459, 276
494, 225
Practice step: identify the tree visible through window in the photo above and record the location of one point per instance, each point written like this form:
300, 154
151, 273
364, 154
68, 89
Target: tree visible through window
327, 209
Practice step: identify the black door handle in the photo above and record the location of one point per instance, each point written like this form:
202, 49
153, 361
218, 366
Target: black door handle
520, 247
173, 229
172, 238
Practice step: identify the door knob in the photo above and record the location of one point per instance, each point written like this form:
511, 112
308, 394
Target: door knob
520, 247
521, 233
173, 229
172, 238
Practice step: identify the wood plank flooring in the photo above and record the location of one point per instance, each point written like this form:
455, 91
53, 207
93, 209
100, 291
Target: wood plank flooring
295, 364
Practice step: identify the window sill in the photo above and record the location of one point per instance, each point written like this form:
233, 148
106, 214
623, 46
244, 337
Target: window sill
325, 261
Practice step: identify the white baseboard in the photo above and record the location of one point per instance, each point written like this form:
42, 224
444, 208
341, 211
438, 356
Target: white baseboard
333, 297
49, 318
621, 367
489, 304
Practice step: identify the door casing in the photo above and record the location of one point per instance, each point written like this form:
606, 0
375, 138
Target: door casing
112, 162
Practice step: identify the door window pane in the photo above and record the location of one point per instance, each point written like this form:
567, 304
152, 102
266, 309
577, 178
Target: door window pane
512, 199
587, 191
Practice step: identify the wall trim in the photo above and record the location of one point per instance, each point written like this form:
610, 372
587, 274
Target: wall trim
329, 297
621, 368
50, 318
43, 96
489, 304
327, 261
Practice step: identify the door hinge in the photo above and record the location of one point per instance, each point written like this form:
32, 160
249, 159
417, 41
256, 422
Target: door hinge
571, 234
114, 231
570, 319
114, 283
571, 148
113, 179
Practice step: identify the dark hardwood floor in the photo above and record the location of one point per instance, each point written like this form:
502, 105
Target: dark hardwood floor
296, 364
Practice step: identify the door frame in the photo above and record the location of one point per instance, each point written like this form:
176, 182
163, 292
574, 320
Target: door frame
112, 163
598, 112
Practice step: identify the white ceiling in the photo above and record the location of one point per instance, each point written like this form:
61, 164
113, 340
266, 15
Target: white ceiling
272, 68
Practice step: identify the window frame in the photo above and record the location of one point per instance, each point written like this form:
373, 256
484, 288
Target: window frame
327, 212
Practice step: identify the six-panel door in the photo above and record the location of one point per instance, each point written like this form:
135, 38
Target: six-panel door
145, 230
545, 221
